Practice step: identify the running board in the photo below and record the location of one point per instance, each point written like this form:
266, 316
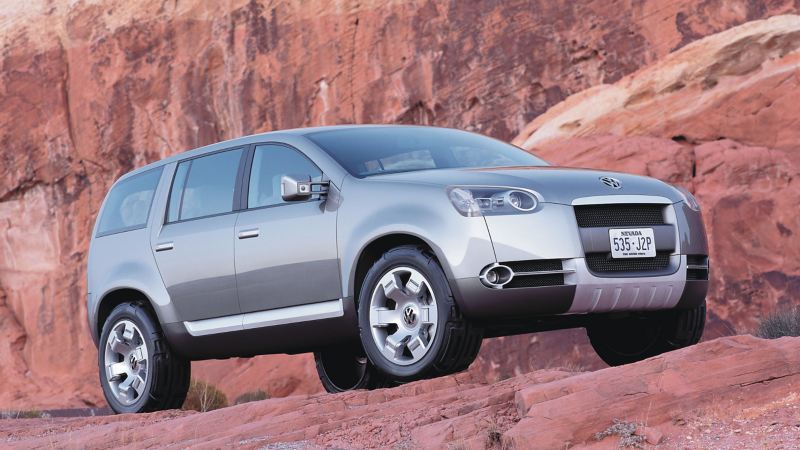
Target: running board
269, 318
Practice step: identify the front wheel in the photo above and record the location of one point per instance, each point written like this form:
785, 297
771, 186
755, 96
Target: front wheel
138, 371
409, 323
643, 335
346, 368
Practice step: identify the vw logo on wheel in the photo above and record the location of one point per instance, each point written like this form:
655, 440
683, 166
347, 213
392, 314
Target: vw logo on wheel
409, 316
611, 182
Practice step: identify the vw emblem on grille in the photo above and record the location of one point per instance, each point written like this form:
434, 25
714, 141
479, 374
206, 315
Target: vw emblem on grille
611, 182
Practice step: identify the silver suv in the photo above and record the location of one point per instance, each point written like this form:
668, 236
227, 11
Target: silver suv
388, 251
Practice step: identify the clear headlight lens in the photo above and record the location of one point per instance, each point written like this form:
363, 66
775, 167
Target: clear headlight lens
689, 198
474, 201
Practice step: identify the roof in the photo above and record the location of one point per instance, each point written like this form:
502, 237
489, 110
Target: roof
249, 139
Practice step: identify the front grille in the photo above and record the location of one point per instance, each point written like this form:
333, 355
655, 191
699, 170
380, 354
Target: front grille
535, 265
619, 215
603, 263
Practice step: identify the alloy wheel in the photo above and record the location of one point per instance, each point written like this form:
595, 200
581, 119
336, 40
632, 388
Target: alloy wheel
126, 362
403, 315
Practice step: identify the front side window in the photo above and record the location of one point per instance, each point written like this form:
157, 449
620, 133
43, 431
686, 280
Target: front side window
270, 163
128, 204
204, 186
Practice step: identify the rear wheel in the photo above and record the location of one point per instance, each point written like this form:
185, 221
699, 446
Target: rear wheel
346, 368
138, 371
641, 336
409, 323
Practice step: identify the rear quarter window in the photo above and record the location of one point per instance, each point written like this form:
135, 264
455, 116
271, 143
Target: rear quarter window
127, 206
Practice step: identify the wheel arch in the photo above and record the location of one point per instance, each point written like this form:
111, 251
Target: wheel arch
379, 245
116, 297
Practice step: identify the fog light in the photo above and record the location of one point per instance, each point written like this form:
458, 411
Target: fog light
492, 276
496, 275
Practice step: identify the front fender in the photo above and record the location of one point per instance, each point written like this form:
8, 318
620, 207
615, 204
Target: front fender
462, 244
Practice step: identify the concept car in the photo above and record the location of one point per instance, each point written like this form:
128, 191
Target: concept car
388, 251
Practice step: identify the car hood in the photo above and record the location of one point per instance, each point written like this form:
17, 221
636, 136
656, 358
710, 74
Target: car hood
555, 184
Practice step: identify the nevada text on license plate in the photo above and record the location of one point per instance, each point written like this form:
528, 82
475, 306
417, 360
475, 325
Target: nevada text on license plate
632, 243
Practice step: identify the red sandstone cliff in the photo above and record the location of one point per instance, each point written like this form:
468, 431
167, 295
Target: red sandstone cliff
90, 90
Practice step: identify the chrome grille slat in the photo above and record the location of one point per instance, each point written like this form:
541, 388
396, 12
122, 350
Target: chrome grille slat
536, 273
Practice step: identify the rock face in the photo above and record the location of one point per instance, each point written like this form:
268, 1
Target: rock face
719, 117
723, 373
92, 89
731, 380
740, 84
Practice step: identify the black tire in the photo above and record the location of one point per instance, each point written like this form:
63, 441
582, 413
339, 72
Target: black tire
456, 342
346, 368
643, 335
167, 380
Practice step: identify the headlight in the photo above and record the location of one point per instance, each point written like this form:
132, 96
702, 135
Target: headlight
474, 201
689, 198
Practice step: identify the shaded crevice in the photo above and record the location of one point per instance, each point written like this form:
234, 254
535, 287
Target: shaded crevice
65, 95
766, 380
18, 191
351, 77
17, 345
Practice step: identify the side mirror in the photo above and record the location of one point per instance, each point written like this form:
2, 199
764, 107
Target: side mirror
297, 188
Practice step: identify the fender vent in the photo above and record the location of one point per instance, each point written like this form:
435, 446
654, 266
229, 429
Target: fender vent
523, 280
697, 267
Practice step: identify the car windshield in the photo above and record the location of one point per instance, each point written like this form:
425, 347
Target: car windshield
379, 150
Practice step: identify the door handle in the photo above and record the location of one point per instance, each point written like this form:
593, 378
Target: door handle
247, 234
164, 246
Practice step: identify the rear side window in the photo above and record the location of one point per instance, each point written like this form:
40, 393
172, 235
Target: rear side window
128, 204
204, 186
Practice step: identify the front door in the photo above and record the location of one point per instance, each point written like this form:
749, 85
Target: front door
194, 249
285, 251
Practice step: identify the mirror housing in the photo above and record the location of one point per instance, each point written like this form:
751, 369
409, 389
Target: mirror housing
296, 188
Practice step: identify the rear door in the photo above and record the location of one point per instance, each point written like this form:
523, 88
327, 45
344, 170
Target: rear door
194, 249
285, 251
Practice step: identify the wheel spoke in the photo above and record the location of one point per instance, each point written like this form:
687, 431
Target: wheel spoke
417, 347
116, 370
425, 315
140, 353
415, 284
385, 317
118, 345
395, 344
138, 384
127, 334
391, 288
125, 389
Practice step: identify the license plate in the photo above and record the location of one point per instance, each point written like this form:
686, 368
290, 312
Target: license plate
632, 243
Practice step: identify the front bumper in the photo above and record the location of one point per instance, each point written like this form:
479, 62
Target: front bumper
554, 234
582, 292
